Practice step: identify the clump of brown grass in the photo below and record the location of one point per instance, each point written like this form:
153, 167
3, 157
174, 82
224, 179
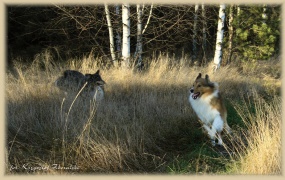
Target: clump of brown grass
260, 144
130, 131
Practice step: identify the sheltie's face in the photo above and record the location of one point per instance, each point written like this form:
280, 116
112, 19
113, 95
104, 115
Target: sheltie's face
201, 86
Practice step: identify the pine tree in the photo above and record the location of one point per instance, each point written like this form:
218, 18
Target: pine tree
257, 32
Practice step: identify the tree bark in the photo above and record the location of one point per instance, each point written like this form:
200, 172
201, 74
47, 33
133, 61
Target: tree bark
118, 33
139, 37
111, 35
148, 19
219, 40
126, 35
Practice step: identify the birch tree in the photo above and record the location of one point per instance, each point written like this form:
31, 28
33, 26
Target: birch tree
140, 32
238, 13
126, 35
148, 19
238, 10
111, 35
118, 33
139, 36
219, 39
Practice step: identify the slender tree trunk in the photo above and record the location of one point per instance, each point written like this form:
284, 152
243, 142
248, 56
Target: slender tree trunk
238, 10
264, 14
231, 33
111, 35
194, 41
204, 45
148, 19
219, 40
126, 35
139, 36
238, 13
118, 33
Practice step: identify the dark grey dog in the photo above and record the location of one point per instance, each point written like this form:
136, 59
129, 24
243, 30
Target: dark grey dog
71, 82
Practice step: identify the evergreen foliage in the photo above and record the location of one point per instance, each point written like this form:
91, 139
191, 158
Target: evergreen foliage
257, 38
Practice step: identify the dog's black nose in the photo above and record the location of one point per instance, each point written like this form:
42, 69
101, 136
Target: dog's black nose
191, 90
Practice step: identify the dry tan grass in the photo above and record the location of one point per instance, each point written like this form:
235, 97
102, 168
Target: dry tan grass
260, 152
125, 133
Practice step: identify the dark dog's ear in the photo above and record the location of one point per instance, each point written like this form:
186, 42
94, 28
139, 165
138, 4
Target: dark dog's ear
199, 76
207, 78
65, 74
97, 72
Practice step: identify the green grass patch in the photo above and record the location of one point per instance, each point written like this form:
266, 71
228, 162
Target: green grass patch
200, 159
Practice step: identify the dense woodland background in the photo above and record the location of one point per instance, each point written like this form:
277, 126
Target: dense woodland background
75, 31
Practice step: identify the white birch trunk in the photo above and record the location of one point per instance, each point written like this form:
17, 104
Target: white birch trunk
238, 10
204, 45
194, 41
111, 35
118, 33
148, 19
219, 40
139, 35
238, 13
126, 35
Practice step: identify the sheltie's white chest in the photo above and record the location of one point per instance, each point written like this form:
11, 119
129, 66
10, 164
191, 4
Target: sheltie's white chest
203, 108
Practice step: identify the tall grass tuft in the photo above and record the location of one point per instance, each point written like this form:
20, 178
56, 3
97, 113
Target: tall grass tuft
260, 144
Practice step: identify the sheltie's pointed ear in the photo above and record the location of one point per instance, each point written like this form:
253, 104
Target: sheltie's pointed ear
208, 81
199, 76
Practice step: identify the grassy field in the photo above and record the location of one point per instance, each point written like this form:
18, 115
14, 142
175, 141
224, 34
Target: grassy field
145, 123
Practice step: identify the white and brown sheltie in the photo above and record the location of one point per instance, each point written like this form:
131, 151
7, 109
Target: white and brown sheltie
207, 103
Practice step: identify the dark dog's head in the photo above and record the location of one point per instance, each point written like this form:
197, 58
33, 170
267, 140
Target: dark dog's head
201, 86
95, 79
